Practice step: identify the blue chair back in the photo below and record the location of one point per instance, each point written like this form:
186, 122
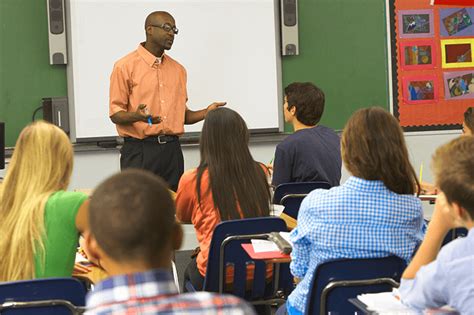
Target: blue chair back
234, 255
334, 282
297, 188
454, 234
290, 195
66, 289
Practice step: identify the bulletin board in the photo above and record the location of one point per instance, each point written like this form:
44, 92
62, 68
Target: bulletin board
432, 49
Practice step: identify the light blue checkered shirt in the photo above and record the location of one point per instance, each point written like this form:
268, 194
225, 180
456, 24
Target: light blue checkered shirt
360, 219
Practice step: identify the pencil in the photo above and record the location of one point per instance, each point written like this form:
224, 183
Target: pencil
421, 172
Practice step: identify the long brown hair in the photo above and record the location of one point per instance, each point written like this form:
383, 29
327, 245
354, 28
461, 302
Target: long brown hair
373, 148
235, 178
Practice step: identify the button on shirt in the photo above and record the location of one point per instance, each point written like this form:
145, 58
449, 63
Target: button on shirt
141, 78
359, 219
154, 292
449, 280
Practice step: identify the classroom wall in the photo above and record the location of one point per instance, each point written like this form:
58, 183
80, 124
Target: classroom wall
342, 50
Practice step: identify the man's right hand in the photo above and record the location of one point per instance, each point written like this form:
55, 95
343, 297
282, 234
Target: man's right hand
128, 118
143, 115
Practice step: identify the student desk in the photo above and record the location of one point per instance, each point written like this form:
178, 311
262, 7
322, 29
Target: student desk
96, 274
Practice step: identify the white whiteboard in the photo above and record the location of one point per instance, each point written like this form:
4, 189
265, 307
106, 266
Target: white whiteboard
230, 49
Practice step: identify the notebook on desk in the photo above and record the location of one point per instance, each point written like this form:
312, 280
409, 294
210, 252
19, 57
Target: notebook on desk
385, 303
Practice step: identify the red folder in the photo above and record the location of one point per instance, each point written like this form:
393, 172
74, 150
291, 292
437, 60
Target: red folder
264, 255
453, 2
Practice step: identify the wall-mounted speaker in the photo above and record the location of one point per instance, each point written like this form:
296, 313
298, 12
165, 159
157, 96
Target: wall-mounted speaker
55, 110
57, 32
289, 27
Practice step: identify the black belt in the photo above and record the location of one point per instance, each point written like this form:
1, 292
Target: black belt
161, 139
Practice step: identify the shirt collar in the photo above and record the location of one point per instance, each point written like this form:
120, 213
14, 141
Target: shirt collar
132, 286
361, 184
147, 56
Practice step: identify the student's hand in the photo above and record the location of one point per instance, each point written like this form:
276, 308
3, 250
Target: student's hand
428, 189
214, 106
444, 218
80, 268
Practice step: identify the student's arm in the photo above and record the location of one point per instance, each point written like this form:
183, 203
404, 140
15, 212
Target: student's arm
282, 166
186, 197
441, 222
192, 117
128, 118
425, 283
82, 217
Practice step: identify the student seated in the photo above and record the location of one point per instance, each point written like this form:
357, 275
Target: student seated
446, 277
228, 184
375, 213
133, 236
468, 123
312, 152
39, 221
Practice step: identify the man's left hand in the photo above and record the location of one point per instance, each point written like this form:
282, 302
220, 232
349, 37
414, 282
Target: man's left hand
214, 106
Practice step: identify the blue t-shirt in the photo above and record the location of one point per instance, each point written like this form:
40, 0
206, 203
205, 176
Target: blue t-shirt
312, 154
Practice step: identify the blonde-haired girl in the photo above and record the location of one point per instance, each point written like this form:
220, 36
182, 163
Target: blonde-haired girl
39, 221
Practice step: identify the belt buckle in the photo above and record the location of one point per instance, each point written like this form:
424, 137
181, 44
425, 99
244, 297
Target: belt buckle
161, 141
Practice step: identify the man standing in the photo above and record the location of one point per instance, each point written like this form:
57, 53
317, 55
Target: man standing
148, 103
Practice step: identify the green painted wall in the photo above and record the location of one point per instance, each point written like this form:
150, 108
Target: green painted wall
342, 50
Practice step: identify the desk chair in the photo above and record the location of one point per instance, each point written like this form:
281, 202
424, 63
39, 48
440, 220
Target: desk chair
42, 296
334, 282
225, 250
290, 195
454, 234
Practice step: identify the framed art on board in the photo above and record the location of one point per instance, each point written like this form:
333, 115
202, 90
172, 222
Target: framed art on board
457, 53
420, 89
456, 22
415, 23
417, 54
458, 85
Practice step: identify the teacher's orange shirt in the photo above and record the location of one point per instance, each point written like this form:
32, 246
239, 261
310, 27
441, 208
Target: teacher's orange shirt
141, 78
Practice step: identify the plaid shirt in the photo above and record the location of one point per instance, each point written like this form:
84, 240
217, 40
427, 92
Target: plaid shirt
360, 219
154, 292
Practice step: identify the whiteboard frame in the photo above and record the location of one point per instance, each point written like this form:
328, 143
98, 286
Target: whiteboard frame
71, 92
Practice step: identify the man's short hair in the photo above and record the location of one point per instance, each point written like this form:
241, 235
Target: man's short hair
308, 100
132, 216
453, 166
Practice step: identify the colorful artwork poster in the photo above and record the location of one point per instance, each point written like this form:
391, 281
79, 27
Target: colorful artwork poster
420, 54
415, 23
420, 89
457, 53
456, 22
458, 85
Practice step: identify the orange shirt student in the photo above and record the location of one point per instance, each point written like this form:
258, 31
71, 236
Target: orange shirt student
231, 184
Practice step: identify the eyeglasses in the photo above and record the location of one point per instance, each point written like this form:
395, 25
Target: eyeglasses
167, 28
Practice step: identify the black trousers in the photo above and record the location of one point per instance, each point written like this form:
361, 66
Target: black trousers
193, 275
163, 159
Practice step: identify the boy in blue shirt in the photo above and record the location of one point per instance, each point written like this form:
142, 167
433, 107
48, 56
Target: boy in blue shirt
446, 277
313, 151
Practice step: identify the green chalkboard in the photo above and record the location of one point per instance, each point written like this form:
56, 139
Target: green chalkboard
25, 73
342, 50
